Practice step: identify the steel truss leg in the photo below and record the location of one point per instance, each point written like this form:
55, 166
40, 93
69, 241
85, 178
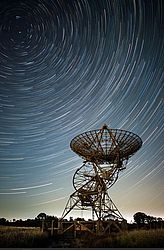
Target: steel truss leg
74, 201
103, 207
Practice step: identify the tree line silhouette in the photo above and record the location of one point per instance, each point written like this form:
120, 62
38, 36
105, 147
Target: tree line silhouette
147, 221
141, 220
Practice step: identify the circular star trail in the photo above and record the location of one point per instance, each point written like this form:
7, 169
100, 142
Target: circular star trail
67, 67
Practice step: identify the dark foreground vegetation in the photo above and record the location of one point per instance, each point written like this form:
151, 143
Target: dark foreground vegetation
28, 237
137, 238
22, 237
146, 231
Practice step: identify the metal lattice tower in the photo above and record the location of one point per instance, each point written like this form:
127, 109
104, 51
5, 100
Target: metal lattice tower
105, 152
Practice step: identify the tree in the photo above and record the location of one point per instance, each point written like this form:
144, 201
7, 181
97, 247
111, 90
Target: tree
2, 221
42, 216
160, 222
151, 220
140, 218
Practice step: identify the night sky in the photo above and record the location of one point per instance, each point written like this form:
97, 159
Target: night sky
69, 66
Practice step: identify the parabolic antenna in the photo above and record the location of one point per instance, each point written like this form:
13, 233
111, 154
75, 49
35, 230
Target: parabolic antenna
105, 144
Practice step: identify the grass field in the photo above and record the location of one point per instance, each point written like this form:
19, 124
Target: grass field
136, 238
33, 237
22, 237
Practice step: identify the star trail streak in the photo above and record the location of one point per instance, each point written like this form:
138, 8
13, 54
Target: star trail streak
67, 67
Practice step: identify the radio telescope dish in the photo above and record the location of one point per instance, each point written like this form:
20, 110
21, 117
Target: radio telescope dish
106, 144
